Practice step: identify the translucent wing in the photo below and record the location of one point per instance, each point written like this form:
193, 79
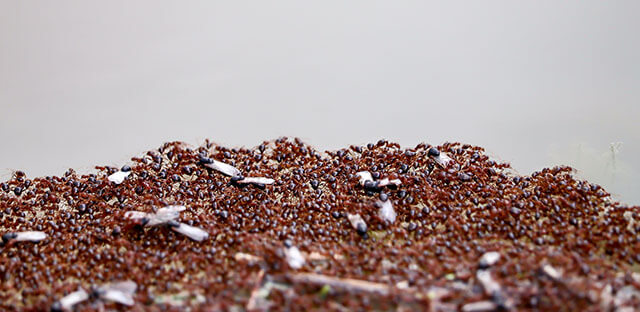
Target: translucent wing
386, 211
124, 286
488, 283
165, 215
256, 180
488, 259
357, 223
32, 236
117, 296
120, 292
191, 232
294, 257
364, 177
119, 176
136, 215
223, 168
386, 181
443, 160
70, 300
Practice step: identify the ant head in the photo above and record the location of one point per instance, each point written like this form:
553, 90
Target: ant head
8, 236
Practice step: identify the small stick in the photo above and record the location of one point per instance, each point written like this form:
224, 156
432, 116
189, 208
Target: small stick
348, 284
252, 303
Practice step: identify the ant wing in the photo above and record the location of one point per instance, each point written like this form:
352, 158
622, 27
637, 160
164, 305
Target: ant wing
386, 211
32, 236
191, 232
443, 160
294, 257
223, 168
120, 292
119, 176
357, 222
127, 286
136, 215
67, 302
364, 177
171, 209
165, 215
386, 181
256, 180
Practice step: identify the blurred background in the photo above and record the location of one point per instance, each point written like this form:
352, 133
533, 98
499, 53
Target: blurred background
538, 83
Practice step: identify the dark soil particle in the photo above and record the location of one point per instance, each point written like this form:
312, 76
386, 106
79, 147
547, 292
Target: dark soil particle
563, 243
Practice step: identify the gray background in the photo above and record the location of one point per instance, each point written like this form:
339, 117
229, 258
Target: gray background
537, 83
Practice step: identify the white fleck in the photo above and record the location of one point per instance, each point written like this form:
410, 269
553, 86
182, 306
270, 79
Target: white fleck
32, 236
480, 306
167, 216
119, 176
241, 256
386, 181
386, 211
364, 177
606, 297
488, 283
625, 294
402, 285
67, 302
488, 259
256, 180
294, 257
223, 168
191, 232
443, 160
355, 220
551, 272
162, 216
120, 292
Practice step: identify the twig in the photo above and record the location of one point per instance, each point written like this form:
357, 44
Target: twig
344, 283
252, 304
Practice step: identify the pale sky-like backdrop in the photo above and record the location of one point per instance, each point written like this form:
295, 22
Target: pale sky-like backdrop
537, 83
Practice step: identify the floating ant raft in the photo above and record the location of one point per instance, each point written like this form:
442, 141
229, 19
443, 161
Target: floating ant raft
285, 227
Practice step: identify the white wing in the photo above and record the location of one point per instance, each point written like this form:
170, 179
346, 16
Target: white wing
171, 209
136, 215
488, 259
487, 282
117, 296
356, 219
364, 177
68, 301
127, 286
191, 232
120, 292
386, 211
443, 160
551, 272
386, 181
165, 215
223, 168
256, 180
119, 176
294, 257
32, 236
